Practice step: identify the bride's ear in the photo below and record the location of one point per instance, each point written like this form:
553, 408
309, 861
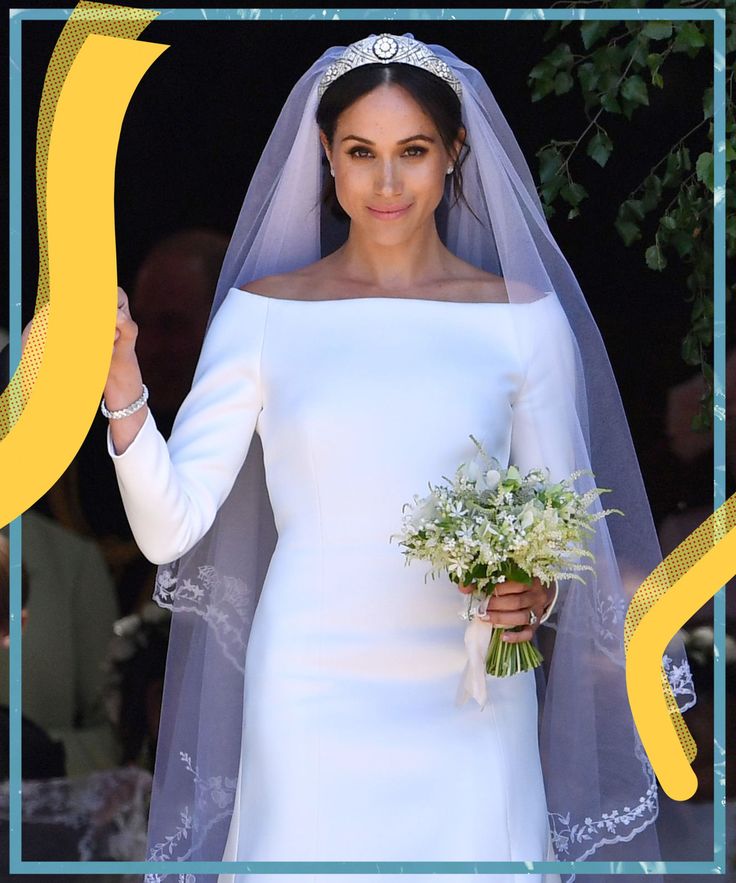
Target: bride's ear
457, 144
326, 145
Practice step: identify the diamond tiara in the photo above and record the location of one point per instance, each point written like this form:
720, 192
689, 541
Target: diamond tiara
388, 48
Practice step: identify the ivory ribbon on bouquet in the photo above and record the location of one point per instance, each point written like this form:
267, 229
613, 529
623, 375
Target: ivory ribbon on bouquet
473, 681
477, 640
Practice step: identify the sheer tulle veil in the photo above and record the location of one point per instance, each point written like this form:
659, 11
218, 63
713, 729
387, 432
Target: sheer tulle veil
601, 791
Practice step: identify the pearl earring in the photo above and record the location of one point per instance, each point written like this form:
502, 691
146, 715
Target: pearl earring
450, 169
332, 171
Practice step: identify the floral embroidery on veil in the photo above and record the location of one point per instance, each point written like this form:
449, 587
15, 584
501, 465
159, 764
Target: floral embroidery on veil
223, 601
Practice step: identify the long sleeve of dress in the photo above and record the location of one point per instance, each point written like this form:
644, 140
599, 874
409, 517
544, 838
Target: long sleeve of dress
172, 490
544, 422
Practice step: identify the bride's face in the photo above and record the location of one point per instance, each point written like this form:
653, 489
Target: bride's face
390, 164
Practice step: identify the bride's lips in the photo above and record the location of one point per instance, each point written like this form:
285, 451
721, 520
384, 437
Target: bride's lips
389, 213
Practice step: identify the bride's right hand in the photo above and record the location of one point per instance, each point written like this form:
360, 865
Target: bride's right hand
124, 382
124, 376
126, 332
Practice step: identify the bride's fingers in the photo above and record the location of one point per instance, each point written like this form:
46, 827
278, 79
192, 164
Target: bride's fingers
517, 601
508, 617
126, 329
123, 304
521, 595
525, 634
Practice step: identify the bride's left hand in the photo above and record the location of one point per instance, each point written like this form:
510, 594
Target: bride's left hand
510, 604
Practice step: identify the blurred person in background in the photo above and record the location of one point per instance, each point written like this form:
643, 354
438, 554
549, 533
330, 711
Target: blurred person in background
42, 757
70, 614
97, 816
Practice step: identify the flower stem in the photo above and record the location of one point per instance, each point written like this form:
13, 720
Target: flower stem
505, 659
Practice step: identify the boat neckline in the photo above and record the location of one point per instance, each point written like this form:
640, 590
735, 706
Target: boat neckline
384, 298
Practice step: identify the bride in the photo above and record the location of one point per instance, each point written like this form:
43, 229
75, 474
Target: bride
309, 708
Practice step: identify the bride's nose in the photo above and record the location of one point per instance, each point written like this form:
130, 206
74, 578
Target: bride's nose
388, 178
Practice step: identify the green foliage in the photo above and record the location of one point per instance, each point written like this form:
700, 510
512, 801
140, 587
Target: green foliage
611, 66
600, 147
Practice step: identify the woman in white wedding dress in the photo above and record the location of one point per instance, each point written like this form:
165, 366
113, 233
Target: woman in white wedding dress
362, 374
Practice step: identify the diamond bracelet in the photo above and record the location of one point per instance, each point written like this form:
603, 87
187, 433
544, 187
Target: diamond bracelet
126, 412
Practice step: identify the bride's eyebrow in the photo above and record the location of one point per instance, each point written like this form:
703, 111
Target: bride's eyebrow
402, 141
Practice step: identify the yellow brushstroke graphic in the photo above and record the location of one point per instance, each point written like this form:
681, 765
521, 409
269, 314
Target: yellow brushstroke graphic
674, 591
51, 400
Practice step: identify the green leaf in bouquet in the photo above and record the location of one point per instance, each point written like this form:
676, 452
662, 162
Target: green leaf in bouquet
513, 572
479, 571
513, 472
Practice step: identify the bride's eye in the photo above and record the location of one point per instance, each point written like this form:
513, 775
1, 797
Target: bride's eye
363, 152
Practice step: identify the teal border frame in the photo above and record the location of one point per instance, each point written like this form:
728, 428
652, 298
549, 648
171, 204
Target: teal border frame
717, 17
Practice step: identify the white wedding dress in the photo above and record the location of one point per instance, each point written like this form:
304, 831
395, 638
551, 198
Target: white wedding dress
354, 748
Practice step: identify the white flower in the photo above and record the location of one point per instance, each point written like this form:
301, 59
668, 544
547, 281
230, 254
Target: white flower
473, 472
492, 478
527, 516
426, 510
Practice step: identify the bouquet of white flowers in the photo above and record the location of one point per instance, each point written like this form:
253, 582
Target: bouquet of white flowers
489, 525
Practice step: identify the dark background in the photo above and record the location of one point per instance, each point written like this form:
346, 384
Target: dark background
202, 114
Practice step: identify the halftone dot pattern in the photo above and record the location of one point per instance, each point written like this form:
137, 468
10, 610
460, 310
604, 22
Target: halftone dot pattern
33, 351
662, 578
87, 18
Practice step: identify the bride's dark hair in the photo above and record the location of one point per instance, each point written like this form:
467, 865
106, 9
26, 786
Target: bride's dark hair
436, 98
